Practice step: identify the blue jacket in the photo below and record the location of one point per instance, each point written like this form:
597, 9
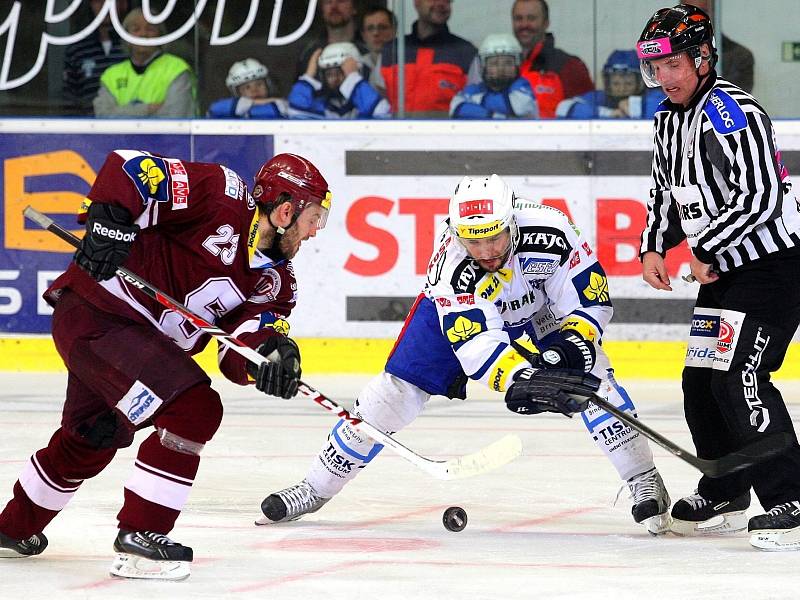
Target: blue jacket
232, 108
359, 100
477, 101
594, 105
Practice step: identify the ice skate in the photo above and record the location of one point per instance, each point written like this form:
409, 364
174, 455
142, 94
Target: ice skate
290, 504
696, 515
779, 529
11, 548
149, 555
650, 501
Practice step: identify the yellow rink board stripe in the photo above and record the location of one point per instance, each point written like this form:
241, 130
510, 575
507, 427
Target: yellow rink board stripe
631, 360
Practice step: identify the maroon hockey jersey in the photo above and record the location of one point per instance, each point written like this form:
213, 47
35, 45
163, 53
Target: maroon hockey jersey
196, 220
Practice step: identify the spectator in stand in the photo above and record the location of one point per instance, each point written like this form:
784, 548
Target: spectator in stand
334, 88
339, 18
378, 27
737, 61
624, 95
436, 63
502, 93
552, 73
151, 83
248, 81
85, 60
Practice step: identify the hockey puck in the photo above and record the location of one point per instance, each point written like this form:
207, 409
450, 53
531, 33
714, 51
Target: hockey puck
454, 518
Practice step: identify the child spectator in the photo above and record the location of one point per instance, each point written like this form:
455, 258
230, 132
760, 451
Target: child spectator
333, 87
502, 93
624, 96
248, 81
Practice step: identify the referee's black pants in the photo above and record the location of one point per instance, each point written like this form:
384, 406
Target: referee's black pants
726, 409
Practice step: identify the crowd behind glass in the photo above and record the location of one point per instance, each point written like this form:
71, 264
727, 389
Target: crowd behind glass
347, 65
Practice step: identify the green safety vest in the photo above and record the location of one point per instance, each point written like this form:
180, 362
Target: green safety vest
129, 87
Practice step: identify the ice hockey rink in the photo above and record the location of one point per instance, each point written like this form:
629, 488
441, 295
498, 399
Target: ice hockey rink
543, 526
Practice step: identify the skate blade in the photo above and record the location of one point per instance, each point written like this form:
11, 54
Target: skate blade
9, 553
727, 524
131, 566
659, 524
267, 521
776, 540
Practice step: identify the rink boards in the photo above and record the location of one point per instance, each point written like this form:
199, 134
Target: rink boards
390, 183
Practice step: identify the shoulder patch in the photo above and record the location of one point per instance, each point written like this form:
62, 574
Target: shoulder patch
592, 286
460, 327
724, 112
150, 176
663, 106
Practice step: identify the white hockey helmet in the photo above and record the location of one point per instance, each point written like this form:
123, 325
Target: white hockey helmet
335, 54
500, 44
482, 207
244, 71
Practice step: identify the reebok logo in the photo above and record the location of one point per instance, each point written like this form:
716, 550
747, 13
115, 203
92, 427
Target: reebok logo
113, 234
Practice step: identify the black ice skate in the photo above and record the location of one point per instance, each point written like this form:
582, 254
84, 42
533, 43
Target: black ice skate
650, 501
11, 548
290, 504
779, 529
149, 555
696, 515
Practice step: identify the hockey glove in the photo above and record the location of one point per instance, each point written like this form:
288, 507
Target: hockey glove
110, 232
569, 351
279, 375
565, 391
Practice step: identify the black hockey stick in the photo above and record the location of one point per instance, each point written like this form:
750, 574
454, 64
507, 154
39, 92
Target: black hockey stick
758, 451
490, 457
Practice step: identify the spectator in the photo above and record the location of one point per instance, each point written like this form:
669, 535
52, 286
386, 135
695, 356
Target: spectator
737, 61
150, 83
624, 95
333, 87
502, 93
85, 60
436, 63
552, 73
339, 17
378, 27
248, 81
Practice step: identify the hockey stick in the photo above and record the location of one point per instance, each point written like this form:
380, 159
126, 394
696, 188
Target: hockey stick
751, 454
492, 456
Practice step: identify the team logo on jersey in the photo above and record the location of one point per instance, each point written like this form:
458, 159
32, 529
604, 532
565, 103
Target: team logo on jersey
592, 286
267, 288
149, 175
463, 326
272, 321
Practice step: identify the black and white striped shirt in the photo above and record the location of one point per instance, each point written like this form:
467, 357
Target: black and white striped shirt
718, 180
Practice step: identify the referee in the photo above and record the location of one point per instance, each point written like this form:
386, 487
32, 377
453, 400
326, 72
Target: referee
719, 183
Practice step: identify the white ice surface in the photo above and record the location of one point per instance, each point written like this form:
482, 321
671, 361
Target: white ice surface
543, 526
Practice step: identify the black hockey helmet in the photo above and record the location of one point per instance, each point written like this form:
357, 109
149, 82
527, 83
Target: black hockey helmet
682, 28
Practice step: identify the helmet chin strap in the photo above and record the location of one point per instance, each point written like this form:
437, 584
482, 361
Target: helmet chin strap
274, 251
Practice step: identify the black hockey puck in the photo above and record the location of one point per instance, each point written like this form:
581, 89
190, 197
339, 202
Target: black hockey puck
454, 518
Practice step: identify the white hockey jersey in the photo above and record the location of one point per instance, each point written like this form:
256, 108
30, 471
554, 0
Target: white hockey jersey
551, 281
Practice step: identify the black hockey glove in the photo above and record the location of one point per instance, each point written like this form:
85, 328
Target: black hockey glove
565, 391
110, 232
279, 375
569, 351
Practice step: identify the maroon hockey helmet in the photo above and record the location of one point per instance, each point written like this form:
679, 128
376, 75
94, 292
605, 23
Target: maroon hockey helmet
296, 176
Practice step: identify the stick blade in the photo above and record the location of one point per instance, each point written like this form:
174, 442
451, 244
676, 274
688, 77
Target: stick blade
759, 451
493, 456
